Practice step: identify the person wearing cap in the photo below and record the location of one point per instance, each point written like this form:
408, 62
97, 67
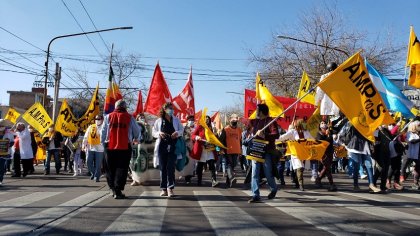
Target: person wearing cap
93, 147
327, 106
119, 130
6, 142
231, 137
53, 141
25, 150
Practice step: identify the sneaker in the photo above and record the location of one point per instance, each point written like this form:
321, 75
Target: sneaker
254, 200
271, 195
214, 183
415, 186
1, 183
92, 177
135, 183
163, 193
171, 193
332, 188
397, 186
301, 188
232, 182
46, 172
363, 176
356, 188
96, 180
75, 174
313, 178
374, 188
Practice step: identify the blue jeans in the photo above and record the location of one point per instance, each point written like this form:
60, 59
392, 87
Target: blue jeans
357, 160
268, 167
2, 168
314, 168
94, 163
167, 170
56, 153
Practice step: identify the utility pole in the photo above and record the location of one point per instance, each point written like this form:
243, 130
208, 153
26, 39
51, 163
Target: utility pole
56, 89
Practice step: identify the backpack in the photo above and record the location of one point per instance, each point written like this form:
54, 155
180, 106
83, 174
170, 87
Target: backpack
345, 134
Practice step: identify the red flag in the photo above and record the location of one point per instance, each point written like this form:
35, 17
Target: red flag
139, 107
159, 93
197, 115
184, 102
214, 116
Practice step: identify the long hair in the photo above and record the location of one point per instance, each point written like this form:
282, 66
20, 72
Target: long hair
299, 125
162, 109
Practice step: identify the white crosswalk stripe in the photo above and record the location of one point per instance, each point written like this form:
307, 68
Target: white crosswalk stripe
392, 215
25, 200
32, 222
228, 219
385, 199
146, 215
143, 217
336, 225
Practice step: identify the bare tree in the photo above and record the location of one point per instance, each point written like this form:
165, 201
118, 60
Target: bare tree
124, 67
283, 61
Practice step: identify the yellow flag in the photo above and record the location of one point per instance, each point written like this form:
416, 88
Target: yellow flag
414, 77
350, 87
65, 122
91, 112
312, 125
38, 117
12, 115
264, 96
307, 149
305, 85
210, 137
415, 111
413, 55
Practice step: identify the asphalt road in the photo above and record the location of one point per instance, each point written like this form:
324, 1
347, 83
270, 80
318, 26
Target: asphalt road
67, 205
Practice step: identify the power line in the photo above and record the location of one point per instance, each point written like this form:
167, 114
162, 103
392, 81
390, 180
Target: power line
77, 22
22, 56
22, 39
20, 72
11, 64
90, 18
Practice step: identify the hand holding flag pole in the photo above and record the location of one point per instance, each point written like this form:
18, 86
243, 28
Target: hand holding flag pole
284, 111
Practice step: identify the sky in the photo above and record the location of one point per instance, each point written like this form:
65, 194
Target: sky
213, 37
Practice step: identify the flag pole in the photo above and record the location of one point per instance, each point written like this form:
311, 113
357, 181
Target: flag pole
284, 111
110, 64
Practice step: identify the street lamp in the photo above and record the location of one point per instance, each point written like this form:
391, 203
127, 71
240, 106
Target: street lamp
319, 45
44, 101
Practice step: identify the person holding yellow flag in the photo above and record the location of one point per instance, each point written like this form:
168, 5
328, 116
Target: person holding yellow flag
270, 134
299, 131
204, 151
53, 141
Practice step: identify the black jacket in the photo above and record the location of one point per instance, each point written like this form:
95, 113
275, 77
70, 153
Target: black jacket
58, 138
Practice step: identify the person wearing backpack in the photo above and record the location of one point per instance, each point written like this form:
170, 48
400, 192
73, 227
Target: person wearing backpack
359, 149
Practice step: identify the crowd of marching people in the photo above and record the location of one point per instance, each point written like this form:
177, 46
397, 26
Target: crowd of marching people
184, 150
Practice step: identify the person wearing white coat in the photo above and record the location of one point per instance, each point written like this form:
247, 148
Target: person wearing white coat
299, 132
167, 129
25, 147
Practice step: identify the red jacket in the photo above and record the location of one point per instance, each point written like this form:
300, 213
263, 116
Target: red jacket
197, 149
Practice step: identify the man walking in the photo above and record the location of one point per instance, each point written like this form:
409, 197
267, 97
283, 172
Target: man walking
119, 130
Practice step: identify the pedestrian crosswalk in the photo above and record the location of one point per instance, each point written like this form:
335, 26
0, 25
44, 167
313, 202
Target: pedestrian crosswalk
224, 212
